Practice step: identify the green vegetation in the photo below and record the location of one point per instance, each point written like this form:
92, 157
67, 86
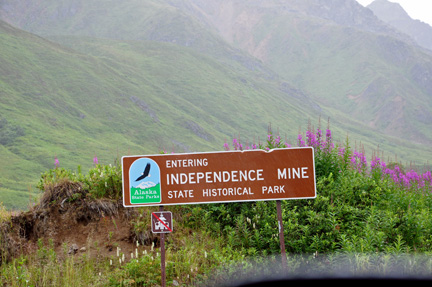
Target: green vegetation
366, 219
127, 98
102, 181
117, 78
147, 76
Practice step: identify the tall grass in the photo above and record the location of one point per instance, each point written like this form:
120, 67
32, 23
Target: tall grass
45, 268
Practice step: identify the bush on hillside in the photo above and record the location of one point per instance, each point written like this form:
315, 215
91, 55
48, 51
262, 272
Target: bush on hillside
102, 181
358, 208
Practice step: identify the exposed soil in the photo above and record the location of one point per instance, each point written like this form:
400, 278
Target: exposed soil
72, 223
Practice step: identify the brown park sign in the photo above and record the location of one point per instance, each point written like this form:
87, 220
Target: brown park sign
195, 178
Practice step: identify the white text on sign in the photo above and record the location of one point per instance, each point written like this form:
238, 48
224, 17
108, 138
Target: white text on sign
292, 173
215, 176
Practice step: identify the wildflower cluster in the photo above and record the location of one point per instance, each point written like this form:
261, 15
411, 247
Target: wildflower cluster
271, 143
358, 161
237, 145
358, 209
316, 140
409, 179
313, 139
332, 159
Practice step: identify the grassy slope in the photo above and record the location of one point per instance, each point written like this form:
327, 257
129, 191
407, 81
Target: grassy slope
338, 73
129, 98
335, 64
354, 75
198, 100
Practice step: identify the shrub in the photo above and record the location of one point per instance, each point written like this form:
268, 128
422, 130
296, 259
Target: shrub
359, 207
102, 181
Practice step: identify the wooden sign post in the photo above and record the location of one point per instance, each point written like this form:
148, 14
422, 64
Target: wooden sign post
161, 222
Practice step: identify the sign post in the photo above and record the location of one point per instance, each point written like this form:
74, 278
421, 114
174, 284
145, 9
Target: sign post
163, 273
162, 223
218, 177
281, 234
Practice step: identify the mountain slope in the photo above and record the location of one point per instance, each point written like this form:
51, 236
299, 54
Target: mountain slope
334, 50
394, 15
338, 52
119, 78
132, 98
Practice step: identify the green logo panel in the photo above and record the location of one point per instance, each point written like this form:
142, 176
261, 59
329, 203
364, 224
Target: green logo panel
144, 185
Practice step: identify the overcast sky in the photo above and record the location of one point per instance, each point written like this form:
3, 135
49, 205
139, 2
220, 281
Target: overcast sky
417, 9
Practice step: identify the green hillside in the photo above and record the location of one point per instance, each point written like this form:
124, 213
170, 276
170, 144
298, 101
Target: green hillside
372, 79
132, 98
353, 65
112, 78
341, 56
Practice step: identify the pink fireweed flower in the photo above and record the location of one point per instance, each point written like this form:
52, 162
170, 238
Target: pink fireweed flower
358, 160
427, 176
328, 135
235, 144
363, 161
413, 177
397, 169
95, 160
395, 178
226, 146
311, 139
319, 137
421, 184
301, 142
375, 163
328, 143
405, 181
388, 171
56, 162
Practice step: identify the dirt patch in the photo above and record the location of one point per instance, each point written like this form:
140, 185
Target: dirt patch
70, 222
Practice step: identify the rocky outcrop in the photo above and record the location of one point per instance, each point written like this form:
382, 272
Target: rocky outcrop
394, 15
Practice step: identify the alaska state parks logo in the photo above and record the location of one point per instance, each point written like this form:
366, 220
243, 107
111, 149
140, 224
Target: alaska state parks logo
144, 182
